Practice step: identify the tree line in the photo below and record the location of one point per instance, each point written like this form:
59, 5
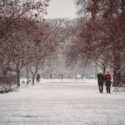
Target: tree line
23, 39
101, 38
27, 41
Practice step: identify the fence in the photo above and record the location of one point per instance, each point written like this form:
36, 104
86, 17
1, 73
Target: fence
8, 80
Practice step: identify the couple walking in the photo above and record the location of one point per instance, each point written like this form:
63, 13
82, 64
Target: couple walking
104, 78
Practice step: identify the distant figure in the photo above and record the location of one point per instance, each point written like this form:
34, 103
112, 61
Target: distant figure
108, 82
68, 76
100, 77
50, 76
61, 76
38, 78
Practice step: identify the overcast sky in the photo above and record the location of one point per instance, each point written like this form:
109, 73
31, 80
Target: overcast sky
61, 9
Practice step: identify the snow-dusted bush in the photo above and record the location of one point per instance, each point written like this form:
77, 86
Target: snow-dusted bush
4, 88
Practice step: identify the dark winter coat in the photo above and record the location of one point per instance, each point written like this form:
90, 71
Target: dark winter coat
100, 77
38, 76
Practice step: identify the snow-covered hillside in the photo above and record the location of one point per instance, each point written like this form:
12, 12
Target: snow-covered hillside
62, 103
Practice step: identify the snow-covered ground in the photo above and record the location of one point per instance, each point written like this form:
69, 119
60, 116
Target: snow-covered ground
74, 102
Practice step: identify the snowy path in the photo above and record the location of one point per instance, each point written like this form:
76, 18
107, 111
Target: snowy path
62, 104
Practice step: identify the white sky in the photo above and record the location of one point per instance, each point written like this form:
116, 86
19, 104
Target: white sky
61, 9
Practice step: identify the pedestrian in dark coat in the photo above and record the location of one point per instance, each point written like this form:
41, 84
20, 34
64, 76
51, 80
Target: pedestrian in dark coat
38, 78
101, 78
108, 82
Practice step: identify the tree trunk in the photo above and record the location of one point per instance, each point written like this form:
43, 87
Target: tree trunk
104, 69
18, 78
34, 75
33, 78
27, 76
116, 77
116, 70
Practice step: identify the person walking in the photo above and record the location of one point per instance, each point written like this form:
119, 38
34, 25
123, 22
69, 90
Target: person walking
101, 78
108, 82
38, 78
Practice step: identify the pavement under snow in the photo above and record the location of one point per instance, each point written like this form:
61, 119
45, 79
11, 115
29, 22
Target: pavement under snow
62, 103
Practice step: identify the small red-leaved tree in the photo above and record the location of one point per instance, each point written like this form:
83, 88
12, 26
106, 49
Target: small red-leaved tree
42, 45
